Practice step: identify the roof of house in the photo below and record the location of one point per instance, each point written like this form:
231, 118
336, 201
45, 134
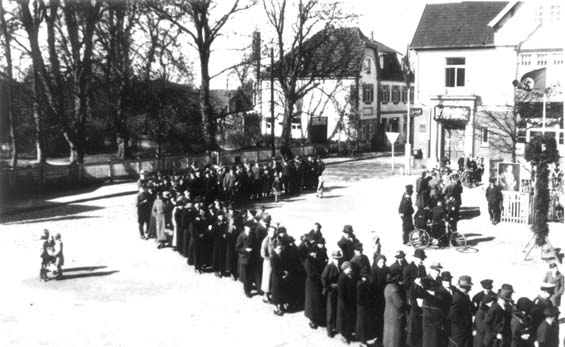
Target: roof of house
457, 25
335, 52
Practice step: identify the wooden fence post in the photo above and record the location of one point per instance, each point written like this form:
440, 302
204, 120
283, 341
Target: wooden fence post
110, 173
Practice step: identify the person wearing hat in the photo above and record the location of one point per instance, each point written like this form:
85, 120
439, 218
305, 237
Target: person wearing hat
157, 223
260, 232
359, 262
219, 233
435, 272
542, 301
244, 247
547, 334
433, 322
557, 278
379, 273
395, 310
314, 264
399, 262
346, 305
266, 251
412, 275
347, 242
486, 284
493, 195
197, 249
364, 323
521, 326
461, 315
498, 318
405, 210
445, 296
45, 254
422, 190
144, 205
330, 277
279, 276
484, 306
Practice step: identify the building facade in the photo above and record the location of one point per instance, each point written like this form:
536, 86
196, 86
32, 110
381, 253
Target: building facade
476, 66
361, 105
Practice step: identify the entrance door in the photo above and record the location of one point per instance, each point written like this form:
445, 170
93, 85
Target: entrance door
454, 144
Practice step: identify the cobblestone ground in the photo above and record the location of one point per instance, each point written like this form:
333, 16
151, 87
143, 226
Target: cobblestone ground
122, 291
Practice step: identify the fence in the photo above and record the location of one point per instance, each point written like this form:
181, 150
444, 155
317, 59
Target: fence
516, 207
30, 178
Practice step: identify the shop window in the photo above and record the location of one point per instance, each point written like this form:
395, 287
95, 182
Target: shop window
455, 72
368, 93
385, 93
395, 94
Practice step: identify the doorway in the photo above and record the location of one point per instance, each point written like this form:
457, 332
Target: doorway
453, 143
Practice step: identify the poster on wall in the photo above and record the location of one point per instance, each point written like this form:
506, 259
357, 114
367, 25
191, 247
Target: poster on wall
509, 176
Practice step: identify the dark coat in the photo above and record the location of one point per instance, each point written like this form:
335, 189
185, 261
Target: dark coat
241, 244
346, 305
548, 335
480, 329
394, 316
220, 235
540, 304
497, 321
231, 254
364, 323
313, 298
378, 283
414, 317
330, 277
278, 284
346, 245
433, 318
461, 318
521, 325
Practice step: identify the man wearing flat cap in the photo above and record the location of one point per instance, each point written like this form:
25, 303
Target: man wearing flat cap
486, 284
405, 210
461, 315
548, 331
330, 277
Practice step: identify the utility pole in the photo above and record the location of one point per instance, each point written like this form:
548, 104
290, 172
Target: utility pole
408, 146
273, 150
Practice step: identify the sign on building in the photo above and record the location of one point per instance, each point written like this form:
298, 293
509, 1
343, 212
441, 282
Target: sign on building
452, 113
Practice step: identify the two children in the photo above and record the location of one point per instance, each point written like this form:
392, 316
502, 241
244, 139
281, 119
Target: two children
51, 253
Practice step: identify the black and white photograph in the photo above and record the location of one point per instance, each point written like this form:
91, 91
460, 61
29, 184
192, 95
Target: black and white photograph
282, 173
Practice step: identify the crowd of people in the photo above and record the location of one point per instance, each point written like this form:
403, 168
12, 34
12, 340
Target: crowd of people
438, 202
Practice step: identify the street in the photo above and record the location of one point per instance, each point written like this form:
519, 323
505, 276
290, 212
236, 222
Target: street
123, 291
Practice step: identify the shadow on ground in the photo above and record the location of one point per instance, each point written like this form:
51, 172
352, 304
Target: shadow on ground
55, 212
84, 275
469, 212
475, 241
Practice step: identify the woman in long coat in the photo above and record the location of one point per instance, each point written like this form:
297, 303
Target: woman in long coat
394, 315
379, 273
364, 323
157, 223
278, 275
266, 252
346, 306
313, 300
232, 233
219, 231
197, 233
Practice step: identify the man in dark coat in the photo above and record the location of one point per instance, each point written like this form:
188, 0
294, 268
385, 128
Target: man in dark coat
379, 273
364, 322
220, 235
432, 316
313, 298
346, 303
494, 199
477, 298
484, 306
548, 331
197, 248
422, 190
244, 247
497, 320
359, 262
412, 274
405, 210
330, 277
541, 302
279, 273
461, 315
445, 296
144, 204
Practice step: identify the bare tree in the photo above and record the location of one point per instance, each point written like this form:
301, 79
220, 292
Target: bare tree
314, 52
203, 30
9, 74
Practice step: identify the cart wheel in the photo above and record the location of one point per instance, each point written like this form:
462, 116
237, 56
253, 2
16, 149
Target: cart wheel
458, 240
419, 238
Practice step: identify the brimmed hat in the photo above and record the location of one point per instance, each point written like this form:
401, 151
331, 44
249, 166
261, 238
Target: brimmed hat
337, 254
420, 254
446, 276
524, 304
551, 311
547, 286
465, 281
429, 283
348, 229
409, 187
400, 255
436, 266
489, 297
505, 294
486, 284
379, 257
507, 287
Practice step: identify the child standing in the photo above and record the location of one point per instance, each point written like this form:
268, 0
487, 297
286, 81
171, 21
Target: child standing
320, 189
58, 257
277, 185
45, 255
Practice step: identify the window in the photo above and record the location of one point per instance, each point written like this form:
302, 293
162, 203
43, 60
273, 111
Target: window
557, 58
368, 93
484, 136
295, 126
411, 95
542, 59
385, 90
367, 64
455, 72
404, 95
548, 13
525, 59
396, 94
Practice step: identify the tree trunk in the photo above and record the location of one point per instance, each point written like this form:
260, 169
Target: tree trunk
541, 204
208, 118
8, 51
287, 122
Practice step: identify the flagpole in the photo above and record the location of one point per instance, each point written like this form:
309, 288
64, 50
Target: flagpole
407, 147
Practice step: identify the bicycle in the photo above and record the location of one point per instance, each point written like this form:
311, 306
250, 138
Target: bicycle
467, 178
420, 238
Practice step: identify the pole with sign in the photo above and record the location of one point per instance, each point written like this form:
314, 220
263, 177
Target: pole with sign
392, 136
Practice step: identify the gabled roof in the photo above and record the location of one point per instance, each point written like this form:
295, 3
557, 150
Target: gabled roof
457, 25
